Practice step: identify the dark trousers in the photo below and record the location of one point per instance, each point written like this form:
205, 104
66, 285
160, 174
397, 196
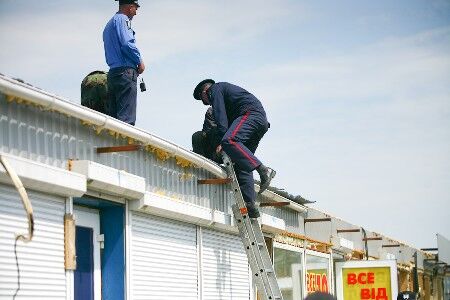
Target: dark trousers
122, 94
240, 143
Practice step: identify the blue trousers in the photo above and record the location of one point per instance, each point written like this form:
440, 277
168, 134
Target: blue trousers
122, 94
240, 143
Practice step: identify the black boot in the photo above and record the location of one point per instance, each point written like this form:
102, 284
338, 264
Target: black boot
252, 210
266, 175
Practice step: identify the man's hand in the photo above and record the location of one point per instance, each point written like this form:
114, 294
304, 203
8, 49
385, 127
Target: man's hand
219, 149
141, 68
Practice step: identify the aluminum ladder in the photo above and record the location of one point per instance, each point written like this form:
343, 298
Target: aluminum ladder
253, 240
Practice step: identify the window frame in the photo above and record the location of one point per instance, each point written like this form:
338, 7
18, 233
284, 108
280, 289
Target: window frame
330, 274
298, 250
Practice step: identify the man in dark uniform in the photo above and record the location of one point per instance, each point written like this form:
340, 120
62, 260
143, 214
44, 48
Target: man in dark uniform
204, 142
241, 123
124, 61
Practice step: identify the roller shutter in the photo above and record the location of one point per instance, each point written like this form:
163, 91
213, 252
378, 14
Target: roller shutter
225, 269
41, 261
163, 259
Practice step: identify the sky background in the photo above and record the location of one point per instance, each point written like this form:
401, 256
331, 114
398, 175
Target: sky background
357, 92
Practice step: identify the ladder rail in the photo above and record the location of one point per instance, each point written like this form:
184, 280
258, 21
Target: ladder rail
253, 241
260, 270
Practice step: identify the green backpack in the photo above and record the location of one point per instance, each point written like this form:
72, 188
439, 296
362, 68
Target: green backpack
94, 91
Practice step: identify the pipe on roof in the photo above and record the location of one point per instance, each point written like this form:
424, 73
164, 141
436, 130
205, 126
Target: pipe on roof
269, 195
52, 102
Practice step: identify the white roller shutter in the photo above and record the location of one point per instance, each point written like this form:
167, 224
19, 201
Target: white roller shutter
41, 261
163, 259
225, 269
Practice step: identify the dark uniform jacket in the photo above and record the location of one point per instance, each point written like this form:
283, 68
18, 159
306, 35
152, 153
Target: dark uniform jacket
230, 102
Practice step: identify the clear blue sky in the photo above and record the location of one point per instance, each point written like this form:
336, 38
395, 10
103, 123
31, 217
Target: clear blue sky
357, 92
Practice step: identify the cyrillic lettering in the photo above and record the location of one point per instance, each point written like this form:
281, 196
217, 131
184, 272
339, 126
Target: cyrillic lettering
360, 278
381, 295
351, 278
324, 284
365, 294
370, 278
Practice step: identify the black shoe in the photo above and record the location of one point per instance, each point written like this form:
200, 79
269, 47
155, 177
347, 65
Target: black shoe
252, 210
266, 176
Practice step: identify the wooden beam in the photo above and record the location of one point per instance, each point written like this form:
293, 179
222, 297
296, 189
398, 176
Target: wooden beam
390, 246
376, 238
276, 204
429, 249
214, 181
118, 148
70, 261
348, 230
317, 220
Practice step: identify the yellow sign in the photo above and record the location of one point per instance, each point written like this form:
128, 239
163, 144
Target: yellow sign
367, 283
317, 281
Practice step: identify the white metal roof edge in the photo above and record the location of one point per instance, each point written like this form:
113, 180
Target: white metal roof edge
171, 208
45, 178
109, 180
49, 101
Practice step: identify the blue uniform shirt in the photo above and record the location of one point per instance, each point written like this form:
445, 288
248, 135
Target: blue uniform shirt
119, 43
229, 102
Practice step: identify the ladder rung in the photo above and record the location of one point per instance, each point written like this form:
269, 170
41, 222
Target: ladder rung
266, 270
214, 181
260, 245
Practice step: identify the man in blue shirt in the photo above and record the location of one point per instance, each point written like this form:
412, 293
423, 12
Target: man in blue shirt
124, 61
241, 123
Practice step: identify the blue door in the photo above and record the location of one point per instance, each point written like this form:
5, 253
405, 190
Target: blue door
84, 274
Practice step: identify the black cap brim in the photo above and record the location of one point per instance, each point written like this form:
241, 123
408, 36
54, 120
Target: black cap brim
198, 88
135, 2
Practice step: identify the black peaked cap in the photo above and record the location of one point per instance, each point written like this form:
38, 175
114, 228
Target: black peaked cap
198, 88
129, 2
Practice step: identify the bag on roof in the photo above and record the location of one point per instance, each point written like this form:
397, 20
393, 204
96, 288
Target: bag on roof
94, 91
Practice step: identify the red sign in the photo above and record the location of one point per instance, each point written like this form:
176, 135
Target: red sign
317, 281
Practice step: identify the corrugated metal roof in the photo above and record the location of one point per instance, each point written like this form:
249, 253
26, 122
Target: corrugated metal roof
53, 138
46, 128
